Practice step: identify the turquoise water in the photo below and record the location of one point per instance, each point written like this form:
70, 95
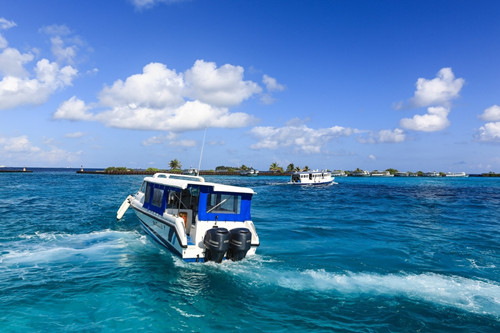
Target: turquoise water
365, 255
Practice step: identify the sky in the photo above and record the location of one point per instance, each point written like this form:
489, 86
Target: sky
409, 85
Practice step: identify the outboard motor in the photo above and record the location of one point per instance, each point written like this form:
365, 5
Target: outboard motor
216, 244
240, 243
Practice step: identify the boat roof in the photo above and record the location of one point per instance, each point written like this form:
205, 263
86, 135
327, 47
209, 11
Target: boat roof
310, 171
183, 181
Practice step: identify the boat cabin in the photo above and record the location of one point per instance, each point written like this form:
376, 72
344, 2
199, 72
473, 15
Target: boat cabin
196, 201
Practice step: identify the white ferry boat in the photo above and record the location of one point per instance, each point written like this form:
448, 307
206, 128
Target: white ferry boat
198, 221
456, 174
432, 174
381, 174
312, 178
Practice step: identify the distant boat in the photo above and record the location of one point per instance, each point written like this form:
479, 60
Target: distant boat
381, 174
339, 173
432, 174
190, 171
311, 178
401, 174
360, 173
456, 174
249, 172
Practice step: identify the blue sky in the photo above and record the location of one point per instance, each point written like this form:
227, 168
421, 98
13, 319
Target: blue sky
411, 85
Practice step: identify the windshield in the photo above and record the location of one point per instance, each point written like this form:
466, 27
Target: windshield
223, 203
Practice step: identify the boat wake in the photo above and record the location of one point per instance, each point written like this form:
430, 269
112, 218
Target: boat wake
474, 296
47, 248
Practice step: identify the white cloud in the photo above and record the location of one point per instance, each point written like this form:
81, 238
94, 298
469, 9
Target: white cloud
183, 143
161, 99
16, 91
384, 136
190, 116
20, 86
6, 24
74, 135
144, 4
490, 132
63, 53
223, 86
19, 144
438, 91
372, 157
436, 119
491, 114
19, 150
272, 84
12, 63
65, 44
171, 139
73, 109
298, 137
157, 87
394, 136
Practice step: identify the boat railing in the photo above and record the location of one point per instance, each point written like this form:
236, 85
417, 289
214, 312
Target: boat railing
177, 176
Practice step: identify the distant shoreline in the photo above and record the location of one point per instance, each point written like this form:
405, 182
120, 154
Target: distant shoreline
96, 171
261, 173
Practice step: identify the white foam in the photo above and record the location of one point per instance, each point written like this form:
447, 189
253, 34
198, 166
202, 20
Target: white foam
478, 296
471, 295
40, 248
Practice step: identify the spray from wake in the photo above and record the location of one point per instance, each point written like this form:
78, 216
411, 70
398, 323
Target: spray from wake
46, 248
475, 296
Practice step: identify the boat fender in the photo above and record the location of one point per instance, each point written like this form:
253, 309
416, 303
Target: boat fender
239, 244
216, 243
123, 208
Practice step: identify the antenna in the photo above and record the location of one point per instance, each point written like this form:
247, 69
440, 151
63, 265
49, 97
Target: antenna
201, 153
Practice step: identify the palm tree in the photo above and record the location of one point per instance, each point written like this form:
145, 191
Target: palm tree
175, 164
290, 167
306, 168
275, 168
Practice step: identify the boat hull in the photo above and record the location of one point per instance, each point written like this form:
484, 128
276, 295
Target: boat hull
166, 234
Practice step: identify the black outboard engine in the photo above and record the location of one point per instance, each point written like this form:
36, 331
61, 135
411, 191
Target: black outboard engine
216, 244
240, 243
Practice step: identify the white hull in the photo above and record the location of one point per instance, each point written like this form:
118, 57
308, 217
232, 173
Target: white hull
172, 236
312, 178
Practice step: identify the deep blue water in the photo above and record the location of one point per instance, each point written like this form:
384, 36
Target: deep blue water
365, 255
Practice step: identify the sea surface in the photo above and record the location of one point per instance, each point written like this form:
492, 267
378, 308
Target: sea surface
363, 255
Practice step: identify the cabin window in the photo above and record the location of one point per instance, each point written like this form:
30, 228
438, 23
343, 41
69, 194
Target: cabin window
147, 194
157, 196
143, 187
223, 203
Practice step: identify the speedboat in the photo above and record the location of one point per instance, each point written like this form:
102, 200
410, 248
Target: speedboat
249, 172
311, 178
198, 221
